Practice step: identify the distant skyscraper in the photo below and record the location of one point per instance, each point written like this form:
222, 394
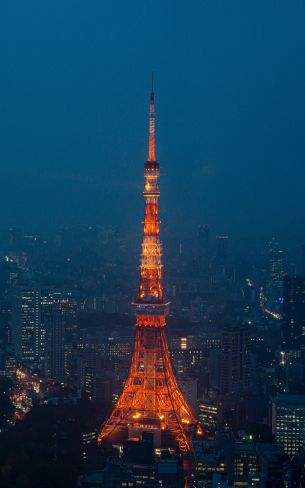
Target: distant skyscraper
54, 343
32, 309
294, 312
27, 335
275, 272
66, 304
234, 360
46, 306
288, 422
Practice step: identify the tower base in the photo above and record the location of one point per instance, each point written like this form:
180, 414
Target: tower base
151, 397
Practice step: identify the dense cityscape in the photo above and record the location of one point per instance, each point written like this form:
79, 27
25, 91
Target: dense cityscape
236, 339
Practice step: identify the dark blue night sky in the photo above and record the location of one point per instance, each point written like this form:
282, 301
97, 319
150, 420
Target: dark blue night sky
230, 95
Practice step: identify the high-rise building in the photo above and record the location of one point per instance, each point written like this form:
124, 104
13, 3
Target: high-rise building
27, 333
151, 399
294, 312
54, 343
209, 414
46, 308
66, 305
234, 360
288, 422
42, 323
274, 289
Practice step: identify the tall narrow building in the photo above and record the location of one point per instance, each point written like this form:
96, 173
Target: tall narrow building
27, 331
151, 399
30, 304
294, 312
274, 287
234, 360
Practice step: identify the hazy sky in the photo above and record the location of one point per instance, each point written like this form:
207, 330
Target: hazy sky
230, 96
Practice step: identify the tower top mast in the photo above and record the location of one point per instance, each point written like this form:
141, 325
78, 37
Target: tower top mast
151, 143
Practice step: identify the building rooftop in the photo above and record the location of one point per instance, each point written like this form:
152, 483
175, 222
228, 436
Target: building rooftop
248, 447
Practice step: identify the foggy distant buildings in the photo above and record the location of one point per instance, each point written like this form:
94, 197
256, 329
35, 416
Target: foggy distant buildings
239, 362
54, 344
274, 288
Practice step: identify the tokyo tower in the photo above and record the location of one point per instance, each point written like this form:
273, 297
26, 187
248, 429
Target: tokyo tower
151, 399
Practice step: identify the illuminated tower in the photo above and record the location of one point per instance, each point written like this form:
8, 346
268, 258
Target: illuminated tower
151, 399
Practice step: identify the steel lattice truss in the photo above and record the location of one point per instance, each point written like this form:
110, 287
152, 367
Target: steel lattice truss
151, 394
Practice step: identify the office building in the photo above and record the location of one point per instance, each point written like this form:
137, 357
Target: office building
27, 330
288, 422
274, 288
294, 312
234, 360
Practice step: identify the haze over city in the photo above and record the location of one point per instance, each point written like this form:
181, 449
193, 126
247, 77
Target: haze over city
230, 94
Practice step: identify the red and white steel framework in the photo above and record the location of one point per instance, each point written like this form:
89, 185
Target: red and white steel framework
151, 395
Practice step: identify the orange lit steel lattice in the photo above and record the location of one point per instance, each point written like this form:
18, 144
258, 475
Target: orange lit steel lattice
151, 396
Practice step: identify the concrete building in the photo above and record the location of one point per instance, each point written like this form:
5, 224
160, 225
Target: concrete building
288, 422
234, 360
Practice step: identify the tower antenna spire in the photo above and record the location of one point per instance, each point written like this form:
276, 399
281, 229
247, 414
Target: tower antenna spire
151, 143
